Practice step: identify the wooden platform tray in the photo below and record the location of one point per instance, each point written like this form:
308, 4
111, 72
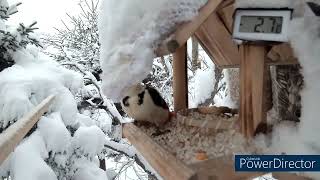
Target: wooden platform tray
167, 165
222, 168
170, 168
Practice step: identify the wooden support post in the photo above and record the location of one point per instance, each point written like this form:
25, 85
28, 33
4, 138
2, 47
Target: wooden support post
180, 78
12, 136
252, 99
163, 162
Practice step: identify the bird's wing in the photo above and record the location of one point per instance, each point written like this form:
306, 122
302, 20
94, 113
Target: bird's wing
156, 98
315, 8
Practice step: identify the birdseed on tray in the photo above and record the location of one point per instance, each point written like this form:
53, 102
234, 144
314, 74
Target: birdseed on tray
192, 144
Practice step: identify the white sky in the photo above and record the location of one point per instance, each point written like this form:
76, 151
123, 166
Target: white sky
48, 13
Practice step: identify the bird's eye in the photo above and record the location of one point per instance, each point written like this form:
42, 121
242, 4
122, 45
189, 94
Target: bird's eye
125, 101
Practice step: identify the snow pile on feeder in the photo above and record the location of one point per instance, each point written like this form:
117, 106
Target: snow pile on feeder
130, 30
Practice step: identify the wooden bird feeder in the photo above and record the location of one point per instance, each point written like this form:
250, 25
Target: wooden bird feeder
213, 29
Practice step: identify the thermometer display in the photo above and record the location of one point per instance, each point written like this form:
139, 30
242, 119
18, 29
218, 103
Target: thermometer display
261, 24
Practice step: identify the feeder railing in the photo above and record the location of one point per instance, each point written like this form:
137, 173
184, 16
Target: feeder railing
12, 136
166, 164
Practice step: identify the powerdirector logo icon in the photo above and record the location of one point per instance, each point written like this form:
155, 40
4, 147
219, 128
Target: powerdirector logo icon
277, 163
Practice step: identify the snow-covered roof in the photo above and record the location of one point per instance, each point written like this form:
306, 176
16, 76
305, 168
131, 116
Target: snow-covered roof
129, 32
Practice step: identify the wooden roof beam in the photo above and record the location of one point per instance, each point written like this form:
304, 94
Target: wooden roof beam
226, 14
225, 4
217, 41
185, 31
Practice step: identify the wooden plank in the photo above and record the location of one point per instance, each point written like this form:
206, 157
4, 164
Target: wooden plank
221, 168
180, 79
225, 3
185, 31
286, 176
226, 14
167, 165
217, 42
267, 88
12, 136
282, 54
207, 125
252, 76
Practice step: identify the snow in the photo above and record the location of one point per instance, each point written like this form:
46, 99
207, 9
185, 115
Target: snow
131, 152
13, 108
54, 132
204, 81
103, 120
90, 171
126, 148
89, 91
85, 120
297, 5
127, 53
112, 108
90, 140
229, 96
97, 117
306, 43
201, 82
4, 3
25, 85
33, 159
